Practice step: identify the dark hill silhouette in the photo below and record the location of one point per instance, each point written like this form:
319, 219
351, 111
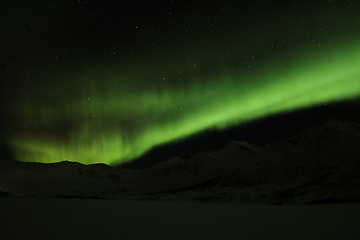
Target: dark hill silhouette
318, 165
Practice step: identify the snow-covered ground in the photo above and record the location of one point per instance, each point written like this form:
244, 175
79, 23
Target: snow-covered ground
52, 218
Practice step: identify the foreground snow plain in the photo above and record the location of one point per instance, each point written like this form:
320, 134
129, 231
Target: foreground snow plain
54, 218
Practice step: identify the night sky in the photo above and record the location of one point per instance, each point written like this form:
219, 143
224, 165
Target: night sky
107, 81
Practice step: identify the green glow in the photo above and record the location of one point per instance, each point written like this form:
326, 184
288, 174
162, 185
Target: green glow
114, 115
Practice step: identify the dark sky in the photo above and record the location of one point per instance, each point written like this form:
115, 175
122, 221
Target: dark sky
107, 81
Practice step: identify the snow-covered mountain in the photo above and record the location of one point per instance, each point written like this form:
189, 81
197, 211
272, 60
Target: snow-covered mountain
319, 165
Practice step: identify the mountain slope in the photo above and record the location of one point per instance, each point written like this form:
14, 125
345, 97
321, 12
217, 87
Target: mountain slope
318, 164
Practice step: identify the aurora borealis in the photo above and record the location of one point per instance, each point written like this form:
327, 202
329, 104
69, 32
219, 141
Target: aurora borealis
107, 82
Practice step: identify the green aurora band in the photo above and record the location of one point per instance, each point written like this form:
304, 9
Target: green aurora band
113, 115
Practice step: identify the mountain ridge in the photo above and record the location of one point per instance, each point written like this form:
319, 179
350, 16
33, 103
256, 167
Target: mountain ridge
318, 165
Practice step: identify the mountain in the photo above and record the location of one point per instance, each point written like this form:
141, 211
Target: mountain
319, 165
